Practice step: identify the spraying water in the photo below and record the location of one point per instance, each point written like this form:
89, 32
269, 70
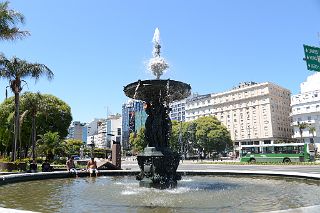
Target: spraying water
157, 65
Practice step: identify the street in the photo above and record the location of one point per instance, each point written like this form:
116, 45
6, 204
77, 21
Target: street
205, 165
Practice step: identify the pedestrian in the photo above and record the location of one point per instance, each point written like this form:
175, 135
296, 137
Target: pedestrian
33, 166
45, 167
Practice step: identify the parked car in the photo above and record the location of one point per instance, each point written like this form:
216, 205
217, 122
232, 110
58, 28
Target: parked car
76, 157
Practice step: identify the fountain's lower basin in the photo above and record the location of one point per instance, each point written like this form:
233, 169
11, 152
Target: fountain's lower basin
192, 194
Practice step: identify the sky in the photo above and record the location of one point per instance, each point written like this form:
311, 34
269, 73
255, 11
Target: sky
97, 47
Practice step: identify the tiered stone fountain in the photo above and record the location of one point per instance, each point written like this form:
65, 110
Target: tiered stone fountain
158, 163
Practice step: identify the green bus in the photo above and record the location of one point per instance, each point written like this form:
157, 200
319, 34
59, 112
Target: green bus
285, 152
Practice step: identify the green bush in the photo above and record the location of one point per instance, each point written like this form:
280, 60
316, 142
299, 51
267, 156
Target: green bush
39, 160
6, 159
60, 161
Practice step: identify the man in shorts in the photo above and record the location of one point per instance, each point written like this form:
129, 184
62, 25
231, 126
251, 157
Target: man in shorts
71, 166
92, 167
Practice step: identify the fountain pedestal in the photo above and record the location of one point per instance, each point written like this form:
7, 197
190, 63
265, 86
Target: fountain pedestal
158, 163
158, 168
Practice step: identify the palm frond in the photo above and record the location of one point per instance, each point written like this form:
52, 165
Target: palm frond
7, 33
8, 20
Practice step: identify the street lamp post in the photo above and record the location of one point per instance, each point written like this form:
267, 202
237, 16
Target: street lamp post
92, 145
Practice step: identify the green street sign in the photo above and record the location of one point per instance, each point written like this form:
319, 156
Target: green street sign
312, 55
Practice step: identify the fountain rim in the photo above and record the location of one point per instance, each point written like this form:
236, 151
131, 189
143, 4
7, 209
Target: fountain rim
24, 177
14, 178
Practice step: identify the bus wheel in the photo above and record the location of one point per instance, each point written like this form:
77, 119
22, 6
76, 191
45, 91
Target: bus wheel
286, 160
252, 160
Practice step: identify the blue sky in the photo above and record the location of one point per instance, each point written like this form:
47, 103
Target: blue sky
96, 47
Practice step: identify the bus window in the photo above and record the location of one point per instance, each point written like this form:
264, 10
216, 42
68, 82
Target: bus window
269, 150
277, 149
289, 149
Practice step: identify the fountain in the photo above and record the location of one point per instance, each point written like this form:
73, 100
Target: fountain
116, 191
158, 163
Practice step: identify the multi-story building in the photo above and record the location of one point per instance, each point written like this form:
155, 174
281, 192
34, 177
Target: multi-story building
306, 109
77, 130
129, 110
178, 110
103, 132
101, 136
92, 131
140, 119
253, 113
113, 130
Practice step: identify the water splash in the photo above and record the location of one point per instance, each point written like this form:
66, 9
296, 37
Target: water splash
157, 65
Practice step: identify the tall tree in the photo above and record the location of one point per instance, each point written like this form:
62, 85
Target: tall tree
186, 132
211, 135
33, 104
49, 144
6, 132
137, 141
312, 131
45, 113
174, 139
301, 127
72, 147
9, 19
15, 70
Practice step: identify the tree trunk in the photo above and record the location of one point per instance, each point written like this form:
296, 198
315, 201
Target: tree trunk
19, 138
26, 151
16, 124
33, 136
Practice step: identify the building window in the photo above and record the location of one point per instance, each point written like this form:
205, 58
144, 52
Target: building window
309, 118
119, 131
267, 142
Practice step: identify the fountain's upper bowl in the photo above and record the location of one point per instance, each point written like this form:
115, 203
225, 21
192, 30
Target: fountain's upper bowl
158, 89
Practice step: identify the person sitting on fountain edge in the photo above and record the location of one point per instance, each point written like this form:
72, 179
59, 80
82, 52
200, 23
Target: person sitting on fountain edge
71, 167
46, 166
92, 167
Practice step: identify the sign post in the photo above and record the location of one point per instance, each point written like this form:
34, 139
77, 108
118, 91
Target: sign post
312, 57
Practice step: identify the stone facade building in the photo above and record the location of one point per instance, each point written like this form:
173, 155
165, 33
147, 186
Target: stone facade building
254, 114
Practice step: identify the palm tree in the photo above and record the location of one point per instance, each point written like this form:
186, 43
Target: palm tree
15, 70
21, 119
301, 127
8, 21
312, 130
33, 102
